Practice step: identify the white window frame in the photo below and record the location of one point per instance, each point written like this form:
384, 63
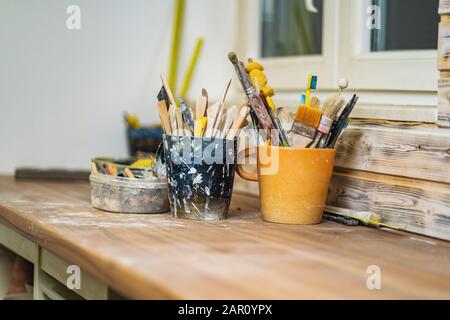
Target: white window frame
388, 82
290, 73
412, 70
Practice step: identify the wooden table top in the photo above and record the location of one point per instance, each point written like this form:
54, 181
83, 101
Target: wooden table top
158, 256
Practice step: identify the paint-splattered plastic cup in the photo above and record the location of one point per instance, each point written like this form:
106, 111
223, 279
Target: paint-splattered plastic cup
200, 174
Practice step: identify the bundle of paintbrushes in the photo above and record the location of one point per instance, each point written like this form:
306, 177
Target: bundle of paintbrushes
315, 127
312, 127
215, 121
259, 96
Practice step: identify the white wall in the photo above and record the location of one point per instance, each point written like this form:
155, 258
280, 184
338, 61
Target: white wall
62, 91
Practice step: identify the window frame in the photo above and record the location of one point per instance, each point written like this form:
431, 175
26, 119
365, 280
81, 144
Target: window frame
411, 88
290, 73
378, 66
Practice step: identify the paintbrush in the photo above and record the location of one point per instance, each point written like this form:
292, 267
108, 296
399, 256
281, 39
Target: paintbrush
168, 91
228, 122
340, 123
286, 118
315, 102
173, 120
342, 84
242, 115
304, 127
259, 79
200, 106
164, 116
331, 108
273, 116
162, 96
307, 118
260, 111
187, 116
211, 119
200, 125
220, 112
312, 85
205, 94
200, 109
180, 123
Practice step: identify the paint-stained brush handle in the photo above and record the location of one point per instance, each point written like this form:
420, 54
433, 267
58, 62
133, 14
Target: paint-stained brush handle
187, 116
168, 91
162, 96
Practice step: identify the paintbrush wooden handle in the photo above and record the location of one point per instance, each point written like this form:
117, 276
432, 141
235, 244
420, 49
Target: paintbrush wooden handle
200, 107
164, 116
212, 115
168, 91
180, 124
216, 130
237, 123
173, 120
229, 119
225, 91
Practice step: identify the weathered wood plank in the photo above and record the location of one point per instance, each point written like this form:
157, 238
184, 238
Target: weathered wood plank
402, 149
416, 206
444, 102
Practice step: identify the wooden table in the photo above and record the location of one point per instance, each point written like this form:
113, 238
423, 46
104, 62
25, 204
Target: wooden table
157, 256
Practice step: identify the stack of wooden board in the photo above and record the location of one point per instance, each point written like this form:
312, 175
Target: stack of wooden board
444, 64
397, 170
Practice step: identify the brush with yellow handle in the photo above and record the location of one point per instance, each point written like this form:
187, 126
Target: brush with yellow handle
259, 79
307, 119
200, 119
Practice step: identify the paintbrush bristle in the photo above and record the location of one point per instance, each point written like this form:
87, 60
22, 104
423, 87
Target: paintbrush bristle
315, 102
233, 58
308, 115
332, 106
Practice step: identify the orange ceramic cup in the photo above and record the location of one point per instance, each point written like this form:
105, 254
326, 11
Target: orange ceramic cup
293, 182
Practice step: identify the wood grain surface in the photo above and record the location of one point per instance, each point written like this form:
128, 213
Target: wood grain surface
157, 256
401, 149
444, 102
407, 204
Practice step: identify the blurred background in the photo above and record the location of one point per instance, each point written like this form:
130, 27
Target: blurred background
63, 91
